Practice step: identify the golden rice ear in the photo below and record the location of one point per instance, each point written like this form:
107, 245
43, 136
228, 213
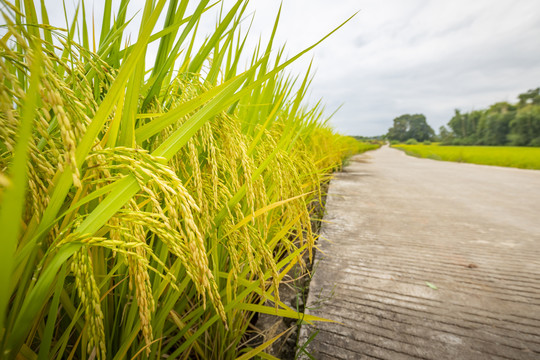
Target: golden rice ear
90, 297
138, 269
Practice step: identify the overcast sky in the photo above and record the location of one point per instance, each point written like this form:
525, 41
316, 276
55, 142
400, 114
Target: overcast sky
414, 56
407, 56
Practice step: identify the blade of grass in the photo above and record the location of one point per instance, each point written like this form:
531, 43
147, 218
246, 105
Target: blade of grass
45, 345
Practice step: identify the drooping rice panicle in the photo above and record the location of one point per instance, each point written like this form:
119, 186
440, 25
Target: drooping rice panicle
158, 200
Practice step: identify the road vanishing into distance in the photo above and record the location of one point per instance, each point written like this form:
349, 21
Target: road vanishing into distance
424, 259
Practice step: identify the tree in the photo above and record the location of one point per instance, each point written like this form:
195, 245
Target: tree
530, 97
419, 128
525, 127
497, 126
410, 127
399, 130
465, 126
457, 124
445, 136
494, 124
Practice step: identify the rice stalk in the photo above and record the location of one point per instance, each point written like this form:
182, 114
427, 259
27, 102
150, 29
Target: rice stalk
149, 212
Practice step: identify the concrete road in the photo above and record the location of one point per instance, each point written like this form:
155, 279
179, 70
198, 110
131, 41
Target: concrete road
426, 259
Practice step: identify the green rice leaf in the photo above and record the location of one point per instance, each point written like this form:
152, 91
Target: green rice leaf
13, 198
288, 313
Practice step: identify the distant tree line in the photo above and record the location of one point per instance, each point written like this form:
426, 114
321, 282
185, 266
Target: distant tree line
368, 138
501, 124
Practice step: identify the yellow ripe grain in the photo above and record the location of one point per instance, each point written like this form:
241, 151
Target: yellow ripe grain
88, 291
140, 280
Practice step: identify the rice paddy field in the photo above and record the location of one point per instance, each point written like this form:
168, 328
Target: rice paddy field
509, 156
149, 209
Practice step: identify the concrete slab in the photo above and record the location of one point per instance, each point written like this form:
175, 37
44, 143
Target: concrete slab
422, 259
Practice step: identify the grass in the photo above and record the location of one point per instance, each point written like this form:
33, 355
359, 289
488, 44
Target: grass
150, 211
518, 157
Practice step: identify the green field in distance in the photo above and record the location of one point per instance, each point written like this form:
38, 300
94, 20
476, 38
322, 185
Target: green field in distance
510, 156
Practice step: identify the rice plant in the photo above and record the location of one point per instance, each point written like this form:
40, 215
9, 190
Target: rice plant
149, 211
